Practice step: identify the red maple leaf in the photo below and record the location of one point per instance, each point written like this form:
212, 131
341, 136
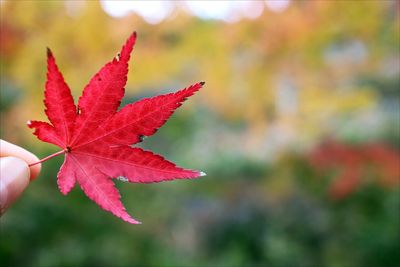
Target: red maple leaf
96, 138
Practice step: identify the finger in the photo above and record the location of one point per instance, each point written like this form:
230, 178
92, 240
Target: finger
14, 178
8, 149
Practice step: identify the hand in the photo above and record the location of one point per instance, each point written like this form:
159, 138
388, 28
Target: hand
15, 173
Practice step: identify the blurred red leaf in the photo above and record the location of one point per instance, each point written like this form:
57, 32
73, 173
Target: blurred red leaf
353, 163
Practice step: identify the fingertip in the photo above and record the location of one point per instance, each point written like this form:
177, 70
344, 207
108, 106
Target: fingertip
10, 150
14, 168
14, 178
35, 170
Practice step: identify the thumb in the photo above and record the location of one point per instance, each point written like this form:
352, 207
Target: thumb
14, 178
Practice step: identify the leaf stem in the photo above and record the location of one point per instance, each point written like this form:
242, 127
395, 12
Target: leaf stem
48, 157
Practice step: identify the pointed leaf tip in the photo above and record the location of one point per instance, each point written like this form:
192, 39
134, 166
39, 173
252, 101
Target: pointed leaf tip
125, 53
131, 220
49, 53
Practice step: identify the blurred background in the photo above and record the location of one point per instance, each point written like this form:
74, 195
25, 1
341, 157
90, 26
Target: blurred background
297, 128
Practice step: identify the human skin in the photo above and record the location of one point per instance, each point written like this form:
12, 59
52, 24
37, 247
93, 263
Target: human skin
15, 174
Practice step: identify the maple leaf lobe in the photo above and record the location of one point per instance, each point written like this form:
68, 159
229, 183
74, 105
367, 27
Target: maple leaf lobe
96, 138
